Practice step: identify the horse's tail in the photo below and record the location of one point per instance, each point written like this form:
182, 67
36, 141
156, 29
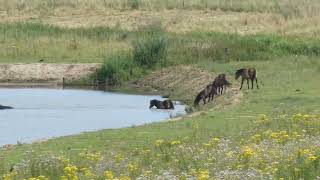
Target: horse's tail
197, 100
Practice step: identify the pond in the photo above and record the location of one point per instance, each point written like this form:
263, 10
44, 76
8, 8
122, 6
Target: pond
41, 113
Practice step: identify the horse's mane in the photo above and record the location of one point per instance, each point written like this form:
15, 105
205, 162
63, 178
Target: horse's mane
239, 72
153, 102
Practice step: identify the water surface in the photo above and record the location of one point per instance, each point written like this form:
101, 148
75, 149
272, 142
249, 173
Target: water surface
45, 113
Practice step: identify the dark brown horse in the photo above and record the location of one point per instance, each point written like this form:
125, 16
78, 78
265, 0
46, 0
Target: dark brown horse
221, 83
208, 92
247, 74
166, 104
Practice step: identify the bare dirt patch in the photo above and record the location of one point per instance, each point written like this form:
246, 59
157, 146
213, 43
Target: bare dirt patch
44, 73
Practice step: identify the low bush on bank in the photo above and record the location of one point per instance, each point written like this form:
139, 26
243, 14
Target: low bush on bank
117, 69
148, 52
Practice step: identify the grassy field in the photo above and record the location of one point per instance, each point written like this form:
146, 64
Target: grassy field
30, 42
271, 133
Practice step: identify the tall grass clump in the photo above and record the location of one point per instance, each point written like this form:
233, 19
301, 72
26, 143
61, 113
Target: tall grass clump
133, 4
150, 51
117, 69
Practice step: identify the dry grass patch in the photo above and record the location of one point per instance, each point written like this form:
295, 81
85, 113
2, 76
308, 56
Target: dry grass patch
176, 20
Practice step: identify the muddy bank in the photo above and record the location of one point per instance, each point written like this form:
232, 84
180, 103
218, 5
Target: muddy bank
185, 82
40, 73
179, 81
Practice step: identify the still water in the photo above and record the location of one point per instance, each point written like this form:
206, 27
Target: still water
46, 113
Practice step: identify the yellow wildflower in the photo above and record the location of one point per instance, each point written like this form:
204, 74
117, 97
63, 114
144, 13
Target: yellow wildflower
118, 158
91, 156
10, 176
175, 142
108, 175
132, 168
159, 142
86, 172
124, 178
247, 152
312, 158
70, 171
202, 174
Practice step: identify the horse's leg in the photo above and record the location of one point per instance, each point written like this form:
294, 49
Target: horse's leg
204, 100
248, 83
252, 83
241, 83
257, 83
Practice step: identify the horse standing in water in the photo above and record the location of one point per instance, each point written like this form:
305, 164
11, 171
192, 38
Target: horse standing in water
247, 74
208, 92
221, 83
166, 104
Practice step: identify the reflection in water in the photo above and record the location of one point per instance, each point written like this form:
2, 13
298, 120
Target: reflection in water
45, 113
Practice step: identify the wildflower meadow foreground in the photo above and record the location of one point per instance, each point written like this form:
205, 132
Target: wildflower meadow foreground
282, 147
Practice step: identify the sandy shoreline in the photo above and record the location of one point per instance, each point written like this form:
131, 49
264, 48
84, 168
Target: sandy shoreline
41, 74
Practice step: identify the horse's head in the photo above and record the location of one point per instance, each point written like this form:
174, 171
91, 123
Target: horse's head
238, 73
152, 103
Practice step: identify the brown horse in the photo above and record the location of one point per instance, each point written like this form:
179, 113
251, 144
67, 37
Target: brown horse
221, 83
166, 104
247, 74
208, 92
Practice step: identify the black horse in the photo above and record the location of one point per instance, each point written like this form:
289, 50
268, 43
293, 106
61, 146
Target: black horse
5, 107
166, 104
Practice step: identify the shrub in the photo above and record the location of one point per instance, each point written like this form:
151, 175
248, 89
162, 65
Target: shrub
134, 4
117, 69
150, 51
